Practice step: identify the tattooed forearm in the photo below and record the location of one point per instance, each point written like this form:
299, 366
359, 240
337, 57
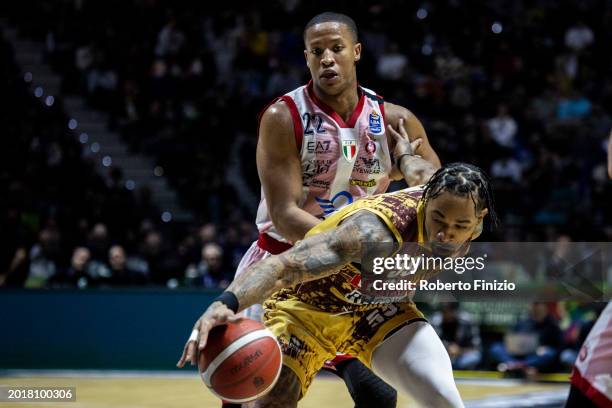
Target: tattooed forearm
416, 170
312, 258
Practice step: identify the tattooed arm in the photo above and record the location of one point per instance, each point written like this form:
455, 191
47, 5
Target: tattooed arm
312, 258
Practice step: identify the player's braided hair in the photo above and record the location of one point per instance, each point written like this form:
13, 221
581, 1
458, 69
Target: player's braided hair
464, 180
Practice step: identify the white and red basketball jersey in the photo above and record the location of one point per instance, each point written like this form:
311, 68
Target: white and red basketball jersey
341, 161
592, 372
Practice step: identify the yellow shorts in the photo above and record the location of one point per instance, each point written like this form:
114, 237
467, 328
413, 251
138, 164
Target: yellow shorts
309, 336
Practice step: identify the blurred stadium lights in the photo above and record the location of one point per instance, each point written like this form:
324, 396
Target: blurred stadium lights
421, 13
49, 100
27, 77
95, 147
158, 171
72, 124
497, 28
130, 185
426, 49
166, 216
107, 161
38, 92
83, 138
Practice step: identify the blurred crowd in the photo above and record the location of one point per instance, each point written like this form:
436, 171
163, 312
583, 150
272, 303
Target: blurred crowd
522, 89
547, 338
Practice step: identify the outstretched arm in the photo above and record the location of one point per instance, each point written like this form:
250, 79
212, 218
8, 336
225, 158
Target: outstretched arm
314, 257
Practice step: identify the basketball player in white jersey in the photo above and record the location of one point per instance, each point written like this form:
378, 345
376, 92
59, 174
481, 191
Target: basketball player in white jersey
321, 147
592, 374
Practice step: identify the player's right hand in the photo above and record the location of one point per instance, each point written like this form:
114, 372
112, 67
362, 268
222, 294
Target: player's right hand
217, 314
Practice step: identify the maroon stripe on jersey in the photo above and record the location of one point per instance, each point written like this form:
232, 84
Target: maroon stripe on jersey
332, 113
588, 390
297, 121
273, 246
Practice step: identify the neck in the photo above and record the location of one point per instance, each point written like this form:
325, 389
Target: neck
343, 103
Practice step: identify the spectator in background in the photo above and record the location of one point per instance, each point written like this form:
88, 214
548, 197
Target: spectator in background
460, 335
76, 274
121, 273
44, 258
577, 322
507, 168
579, 36
392, 64
532, 346
503, 128
98, 242
210, 271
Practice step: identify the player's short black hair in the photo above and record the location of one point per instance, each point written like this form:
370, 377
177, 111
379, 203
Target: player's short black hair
331, 17
464, 180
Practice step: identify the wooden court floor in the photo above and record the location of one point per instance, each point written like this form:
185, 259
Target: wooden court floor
157, 392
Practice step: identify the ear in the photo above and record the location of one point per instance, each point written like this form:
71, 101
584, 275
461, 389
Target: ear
357, 51
479, 226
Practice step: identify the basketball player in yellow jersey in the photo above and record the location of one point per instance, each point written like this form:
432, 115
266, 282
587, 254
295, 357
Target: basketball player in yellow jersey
393, 338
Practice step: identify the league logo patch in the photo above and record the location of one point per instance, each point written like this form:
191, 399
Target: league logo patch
375, 122
349, 149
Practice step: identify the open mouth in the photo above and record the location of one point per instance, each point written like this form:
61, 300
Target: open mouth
329, 74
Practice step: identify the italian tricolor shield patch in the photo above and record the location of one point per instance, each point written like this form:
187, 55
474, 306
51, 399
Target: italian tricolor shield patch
349, 149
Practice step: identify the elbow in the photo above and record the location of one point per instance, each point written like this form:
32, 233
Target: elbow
283, 222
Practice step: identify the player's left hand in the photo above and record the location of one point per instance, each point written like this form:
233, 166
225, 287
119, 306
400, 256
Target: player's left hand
403, 145
217, 314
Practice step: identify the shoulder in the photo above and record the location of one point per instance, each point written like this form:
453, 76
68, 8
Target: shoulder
395, 112
276, 114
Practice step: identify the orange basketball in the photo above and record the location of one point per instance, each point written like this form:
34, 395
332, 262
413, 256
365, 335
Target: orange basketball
241, 361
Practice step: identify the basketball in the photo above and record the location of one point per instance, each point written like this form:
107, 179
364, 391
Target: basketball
241, 361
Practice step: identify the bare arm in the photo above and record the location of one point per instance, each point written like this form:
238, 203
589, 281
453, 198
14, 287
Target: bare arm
312, 258
280, 172
416, 171
315, 257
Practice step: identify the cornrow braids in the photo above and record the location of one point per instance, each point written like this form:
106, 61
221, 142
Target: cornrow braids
464, 180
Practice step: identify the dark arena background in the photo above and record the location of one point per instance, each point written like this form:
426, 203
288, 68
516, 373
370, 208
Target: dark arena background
128, 182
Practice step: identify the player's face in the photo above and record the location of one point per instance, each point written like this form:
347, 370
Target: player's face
331, 54
450, 221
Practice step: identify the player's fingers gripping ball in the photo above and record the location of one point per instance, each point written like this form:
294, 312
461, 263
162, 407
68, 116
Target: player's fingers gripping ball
241, 361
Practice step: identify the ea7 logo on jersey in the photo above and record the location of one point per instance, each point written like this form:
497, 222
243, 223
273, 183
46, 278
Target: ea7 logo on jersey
318, 146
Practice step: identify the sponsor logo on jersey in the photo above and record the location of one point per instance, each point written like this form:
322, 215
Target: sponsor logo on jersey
349, 149
370, 147
319, 183
375, 122
363, 183
338, 201
318, 146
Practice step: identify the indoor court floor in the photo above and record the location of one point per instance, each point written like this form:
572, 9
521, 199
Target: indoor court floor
157, 390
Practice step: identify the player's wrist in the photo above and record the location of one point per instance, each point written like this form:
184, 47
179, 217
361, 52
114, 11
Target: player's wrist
229, 299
